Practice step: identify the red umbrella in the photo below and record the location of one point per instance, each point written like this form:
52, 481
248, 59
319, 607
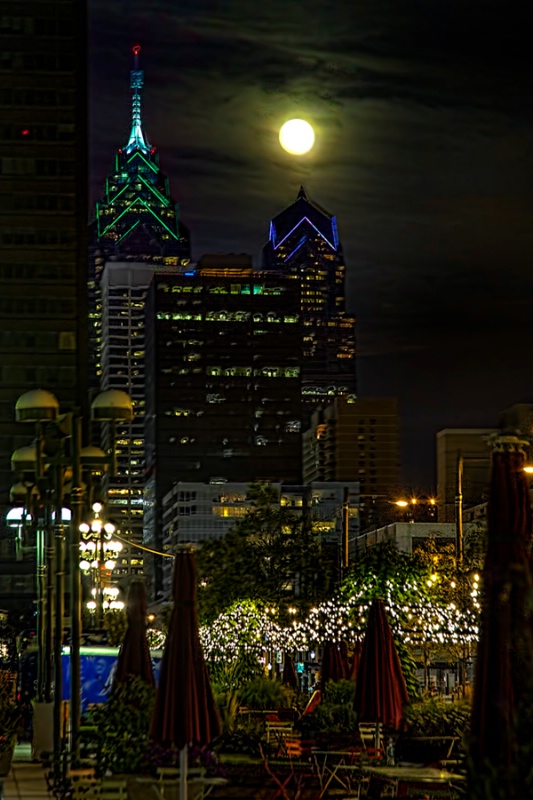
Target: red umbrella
185, 711
356, 658
333, 665
505, 648
134, 657
380, 690
289, 676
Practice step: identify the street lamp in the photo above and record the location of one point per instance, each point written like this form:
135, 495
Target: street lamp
99, 551
41, 408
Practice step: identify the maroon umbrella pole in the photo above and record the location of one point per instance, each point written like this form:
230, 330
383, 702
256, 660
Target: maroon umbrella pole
505, 649
134, 656
185, 711
380, 690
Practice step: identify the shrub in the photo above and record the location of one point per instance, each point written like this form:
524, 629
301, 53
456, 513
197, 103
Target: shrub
10, 717
122, 726
264, 693
336, 714
434, 717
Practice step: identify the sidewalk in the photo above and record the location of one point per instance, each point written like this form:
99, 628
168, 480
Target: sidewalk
26, 779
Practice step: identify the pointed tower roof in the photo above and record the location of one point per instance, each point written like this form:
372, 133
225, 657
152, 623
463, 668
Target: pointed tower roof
137, 140
303, 217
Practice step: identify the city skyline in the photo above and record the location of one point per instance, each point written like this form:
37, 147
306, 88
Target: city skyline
422, 118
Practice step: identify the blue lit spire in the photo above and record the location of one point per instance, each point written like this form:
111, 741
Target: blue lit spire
137, 140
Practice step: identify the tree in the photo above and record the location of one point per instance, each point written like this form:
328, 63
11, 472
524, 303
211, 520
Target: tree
272, 554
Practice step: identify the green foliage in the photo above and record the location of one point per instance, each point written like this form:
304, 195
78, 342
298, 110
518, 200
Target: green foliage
241, 732
164, 617
388, 573
115, 623
233, 675
434, 717
409, 668
335, 713
228, 707
271, 554
264, 693
122, 726
10, 717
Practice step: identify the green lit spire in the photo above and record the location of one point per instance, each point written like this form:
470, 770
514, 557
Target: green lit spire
137, 140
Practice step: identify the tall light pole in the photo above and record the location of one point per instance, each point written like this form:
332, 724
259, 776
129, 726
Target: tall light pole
98, 551
41, 408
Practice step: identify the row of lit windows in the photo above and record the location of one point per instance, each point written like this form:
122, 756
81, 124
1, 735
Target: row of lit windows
233, 288
265, 372
226, 316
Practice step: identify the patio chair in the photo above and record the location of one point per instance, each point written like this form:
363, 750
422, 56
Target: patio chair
371, 738
291, 771
113, 789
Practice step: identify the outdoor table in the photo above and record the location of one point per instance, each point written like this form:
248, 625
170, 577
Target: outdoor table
401, 775
451, 739
345, 761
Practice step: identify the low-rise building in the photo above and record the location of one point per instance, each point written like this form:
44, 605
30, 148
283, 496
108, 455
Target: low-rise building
196, 512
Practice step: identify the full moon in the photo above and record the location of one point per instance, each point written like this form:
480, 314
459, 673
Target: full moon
296, 137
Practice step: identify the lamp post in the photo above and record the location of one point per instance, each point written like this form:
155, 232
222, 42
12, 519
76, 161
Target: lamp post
41, 408
459, 501
98, 551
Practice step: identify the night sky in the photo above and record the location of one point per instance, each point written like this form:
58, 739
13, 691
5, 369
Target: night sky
423, 113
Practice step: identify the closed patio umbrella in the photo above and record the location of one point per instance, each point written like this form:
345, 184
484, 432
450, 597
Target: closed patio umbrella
185, 711
289, 676
356, 658
333, 666
134, 656
505, 649
380, 690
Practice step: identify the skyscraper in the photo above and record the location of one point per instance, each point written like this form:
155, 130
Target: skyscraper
43, 209
304, 244
223, 371
137, 231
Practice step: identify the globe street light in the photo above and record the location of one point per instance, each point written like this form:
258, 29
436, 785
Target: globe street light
98, 552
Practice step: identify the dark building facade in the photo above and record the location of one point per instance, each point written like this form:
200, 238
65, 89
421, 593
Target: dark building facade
43, 210
223, 378
304, 244
357, 441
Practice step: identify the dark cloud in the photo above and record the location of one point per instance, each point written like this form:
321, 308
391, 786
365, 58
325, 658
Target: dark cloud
424, 124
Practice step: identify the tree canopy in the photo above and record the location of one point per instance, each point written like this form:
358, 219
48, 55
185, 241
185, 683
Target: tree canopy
272, 554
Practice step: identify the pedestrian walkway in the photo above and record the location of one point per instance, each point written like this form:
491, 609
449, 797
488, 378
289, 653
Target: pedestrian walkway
26, 780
